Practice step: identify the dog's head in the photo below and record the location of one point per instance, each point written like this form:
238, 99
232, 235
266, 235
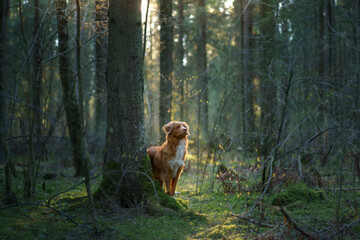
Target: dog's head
176, 129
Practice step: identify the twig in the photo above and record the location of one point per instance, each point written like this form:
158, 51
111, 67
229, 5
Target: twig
43, 205
262, 236
49, 200
70, 49
30, 106
304, 144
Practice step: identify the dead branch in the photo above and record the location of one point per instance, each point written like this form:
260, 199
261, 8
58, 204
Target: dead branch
254, 221
291, 221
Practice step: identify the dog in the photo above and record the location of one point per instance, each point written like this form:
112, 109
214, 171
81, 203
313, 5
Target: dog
168, 160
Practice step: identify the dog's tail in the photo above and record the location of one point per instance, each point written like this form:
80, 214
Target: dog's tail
151, 153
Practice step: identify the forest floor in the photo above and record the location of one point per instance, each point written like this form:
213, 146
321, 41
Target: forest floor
206, 215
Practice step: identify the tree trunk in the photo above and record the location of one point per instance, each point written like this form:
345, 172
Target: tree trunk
239, 112
325, 65
125, 149
265, 142
37, 82
166, 63
71, 102
101, 44
4, 156
84, 143
201, 68
181, 58
3, 83
248, 90
267, 87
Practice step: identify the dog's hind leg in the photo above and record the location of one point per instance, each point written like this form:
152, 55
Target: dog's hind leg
174, 181
173, 185
167, 185
161, 183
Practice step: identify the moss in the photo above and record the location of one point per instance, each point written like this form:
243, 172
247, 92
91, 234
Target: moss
163, 199
298, 192
71, 201
184, 203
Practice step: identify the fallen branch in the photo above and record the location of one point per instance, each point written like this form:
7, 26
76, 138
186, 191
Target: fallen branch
266, 234
43, 205
288, 218
253, 221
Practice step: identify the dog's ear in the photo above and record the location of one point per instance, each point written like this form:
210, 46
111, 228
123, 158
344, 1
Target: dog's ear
168, 127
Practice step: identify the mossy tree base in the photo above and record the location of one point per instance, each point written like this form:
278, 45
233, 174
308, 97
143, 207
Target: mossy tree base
142, 190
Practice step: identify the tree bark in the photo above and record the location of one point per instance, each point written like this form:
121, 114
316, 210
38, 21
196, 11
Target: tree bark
248, 90
37, 80
267, 86
201, 68
4, 156
101, 44
125, 149
181, 59
71, 102
166, 63
325, 64
3, 83
84, 143
239, 111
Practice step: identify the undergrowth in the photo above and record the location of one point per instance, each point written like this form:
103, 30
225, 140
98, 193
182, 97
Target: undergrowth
247, 213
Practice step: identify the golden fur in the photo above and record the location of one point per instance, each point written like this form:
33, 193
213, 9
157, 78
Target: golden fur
168, 160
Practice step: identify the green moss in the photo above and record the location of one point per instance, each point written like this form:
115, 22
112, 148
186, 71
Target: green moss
163, 199
74, 200
298, 192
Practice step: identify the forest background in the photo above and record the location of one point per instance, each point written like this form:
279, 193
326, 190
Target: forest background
270, 90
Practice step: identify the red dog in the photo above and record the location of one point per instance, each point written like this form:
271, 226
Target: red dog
168, 160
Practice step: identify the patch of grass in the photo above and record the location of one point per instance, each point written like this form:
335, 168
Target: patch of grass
164, 227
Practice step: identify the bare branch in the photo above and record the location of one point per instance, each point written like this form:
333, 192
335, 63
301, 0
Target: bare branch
254, 221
